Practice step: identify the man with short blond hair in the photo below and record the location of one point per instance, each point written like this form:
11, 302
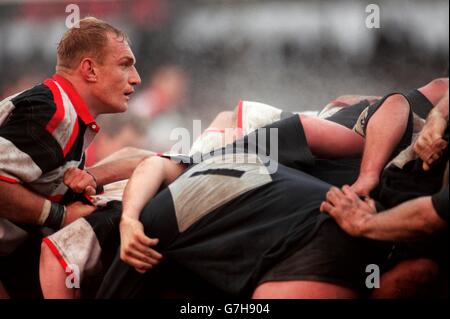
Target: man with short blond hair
90, 38
45, 130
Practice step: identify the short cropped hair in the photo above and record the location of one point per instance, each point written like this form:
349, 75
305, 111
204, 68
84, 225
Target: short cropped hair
88, 40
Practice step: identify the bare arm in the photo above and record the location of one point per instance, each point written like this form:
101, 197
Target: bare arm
347, 100
20, 205
430, 144
115, 170
408, 221
146, 180
442, 107
116, 167
119, 165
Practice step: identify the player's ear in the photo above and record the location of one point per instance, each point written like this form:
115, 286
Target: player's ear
88, 70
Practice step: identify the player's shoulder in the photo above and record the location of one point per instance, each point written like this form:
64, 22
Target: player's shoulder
39, 94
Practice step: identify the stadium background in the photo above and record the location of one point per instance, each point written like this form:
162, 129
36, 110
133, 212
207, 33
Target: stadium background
198, 57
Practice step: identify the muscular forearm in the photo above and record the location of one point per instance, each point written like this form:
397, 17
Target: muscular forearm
19, 204
408, 221
143, 185
116, 170
145, 182
441, 109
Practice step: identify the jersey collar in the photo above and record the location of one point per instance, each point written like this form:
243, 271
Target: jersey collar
78, 102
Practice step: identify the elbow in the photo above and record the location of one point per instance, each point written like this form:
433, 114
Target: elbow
149, 163
151, 160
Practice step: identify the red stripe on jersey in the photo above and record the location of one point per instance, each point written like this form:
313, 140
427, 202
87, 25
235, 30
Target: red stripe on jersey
59, 114
72, 138
9, 180
239, 115
89, 198
77, 101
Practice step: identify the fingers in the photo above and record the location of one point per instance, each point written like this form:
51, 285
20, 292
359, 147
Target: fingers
142, 258
426, 149
336, 199
80, 185
440, 144
427, 164
146, 260
69, 175
141, 244
434, 157
371, 203
350, 193
433, 153
146, 251
79, 181
333, 195
90, 190
136, 263
147, 241
141, 270
326, 207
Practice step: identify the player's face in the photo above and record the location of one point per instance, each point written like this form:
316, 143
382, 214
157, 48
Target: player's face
116, 76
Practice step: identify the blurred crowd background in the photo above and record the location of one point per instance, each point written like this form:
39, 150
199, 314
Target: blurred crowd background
199, 57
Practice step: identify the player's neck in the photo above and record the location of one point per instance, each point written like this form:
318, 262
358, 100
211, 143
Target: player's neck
81, 87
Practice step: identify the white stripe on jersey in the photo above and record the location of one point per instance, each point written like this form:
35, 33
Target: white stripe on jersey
52, 183
65, 127
6, 107
17, 163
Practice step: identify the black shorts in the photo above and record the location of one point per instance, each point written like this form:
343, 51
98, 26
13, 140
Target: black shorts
19, 271
435, 248
331, 256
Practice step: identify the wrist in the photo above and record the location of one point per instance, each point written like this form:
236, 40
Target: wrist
364, 226
437, 116
98, 188
127, 218
92, 175
56, 216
